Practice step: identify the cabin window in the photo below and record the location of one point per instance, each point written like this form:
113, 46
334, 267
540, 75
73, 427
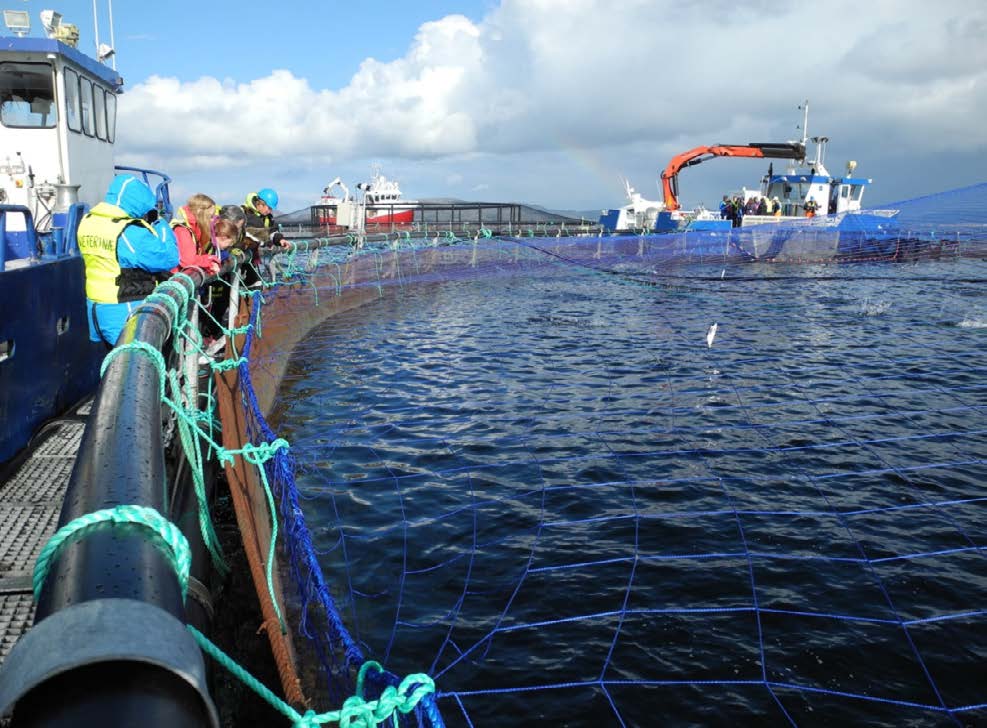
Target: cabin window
111, 116
99, 97
86, 93
856, 192
73, 113
844, 191
27, 96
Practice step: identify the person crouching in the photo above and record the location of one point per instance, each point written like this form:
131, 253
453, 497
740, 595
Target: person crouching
125, 248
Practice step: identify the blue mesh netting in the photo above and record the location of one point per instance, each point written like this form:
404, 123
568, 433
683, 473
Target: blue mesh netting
533, 476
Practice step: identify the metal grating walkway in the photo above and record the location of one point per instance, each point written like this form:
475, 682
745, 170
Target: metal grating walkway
30, 501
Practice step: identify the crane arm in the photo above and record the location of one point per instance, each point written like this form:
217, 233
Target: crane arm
669, 177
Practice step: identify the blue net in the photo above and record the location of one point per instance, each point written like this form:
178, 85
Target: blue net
666, 479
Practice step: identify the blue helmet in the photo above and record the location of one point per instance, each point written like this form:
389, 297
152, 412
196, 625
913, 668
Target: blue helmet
269, 196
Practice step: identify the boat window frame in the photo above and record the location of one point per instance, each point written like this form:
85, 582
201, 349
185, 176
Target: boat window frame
99, 107
88, 129
53, 124
111, 117
69, 98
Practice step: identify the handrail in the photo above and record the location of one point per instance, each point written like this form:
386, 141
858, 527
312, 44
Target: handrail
103, 579
28, 226
161, 192
120, 461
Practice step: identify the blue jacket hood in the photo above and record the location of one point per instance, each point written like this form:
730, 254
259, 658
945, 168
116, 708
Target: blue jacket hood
131, 195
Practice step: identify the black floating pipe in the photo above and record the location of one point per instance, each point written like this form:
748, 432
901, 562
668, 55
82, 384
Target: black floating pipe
109, 640
109, 645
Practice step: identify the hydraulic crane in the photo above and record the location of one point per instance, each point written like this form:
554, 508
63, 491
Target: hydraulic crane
670, 176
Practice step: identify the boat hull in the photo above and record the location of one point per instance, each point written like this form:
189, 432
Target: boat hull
49, 363
374, 216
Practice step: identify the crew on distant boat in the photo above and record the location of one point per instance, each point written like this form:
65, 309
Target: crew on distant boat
125, 247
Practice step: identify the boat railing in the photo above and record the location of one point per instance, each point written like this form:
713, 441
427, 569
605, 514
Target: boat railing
31, 235
116, 596
58, 242
161, 190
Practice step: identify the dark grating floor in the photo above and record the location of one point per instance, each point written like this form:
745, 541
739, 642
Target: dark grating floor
30, 500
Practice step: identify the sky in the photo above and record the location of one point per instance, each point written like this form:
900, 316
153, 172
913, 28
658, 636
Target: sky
550, 102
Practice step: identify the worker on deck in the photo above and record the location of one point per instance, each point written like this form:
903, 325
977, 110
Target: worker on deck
193, 231
227, 227
126, 249
260, 230
259, 210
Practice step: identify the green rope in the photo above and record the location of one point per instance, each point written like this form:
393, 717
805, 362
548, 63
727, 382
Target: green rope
257, 455
226, 364
356, 711
156, 357
188, 428
171, 540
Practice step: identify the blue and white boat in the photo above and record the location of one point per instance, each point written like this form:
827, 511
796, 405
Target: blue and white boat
804, 196
57, 131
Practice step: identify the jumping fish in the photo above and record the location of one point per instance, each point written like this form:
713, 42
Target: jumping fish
710, 335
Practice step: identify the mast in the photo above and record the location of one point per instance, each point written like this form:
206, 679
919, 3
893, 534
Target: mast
113, 44
805, 122
96, 28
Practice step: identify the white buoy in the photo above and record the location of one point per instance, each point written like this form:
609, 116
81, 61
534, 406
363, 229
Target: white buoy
710, 335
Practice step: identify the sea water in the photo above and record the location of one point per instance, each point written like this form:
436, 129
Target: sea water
562, 499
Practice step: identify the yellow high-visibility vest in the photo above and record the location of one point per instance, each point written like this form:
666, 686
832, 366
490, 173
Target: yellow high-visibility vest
97, 238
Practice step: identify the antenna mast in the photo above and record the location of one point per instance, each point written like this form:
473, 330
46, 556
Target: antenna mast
96, 27
805, 122
113, 44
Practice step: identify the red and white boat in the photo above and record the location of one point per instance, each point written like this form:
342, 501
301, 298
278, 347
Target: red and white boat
382, 202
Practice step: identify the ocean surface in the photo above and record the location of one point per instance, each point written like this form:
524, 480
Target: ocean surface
572, 503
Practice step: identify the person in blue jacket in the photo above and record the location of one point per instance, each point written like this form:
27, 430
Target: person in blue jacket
126, 250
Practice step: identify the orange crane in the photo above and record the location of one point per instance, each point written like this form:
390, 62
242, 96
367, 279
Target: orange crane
670, 177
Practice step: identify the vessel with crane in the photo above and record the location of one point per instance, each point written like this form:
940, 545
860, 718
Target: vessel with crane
804, 193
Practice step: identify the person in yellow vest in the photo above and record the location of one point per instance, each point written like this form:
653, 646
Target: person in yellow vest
125, 248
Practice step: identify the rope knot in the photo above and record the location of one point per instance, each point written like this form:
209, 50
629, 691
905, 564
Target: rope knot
309, 720
260, 454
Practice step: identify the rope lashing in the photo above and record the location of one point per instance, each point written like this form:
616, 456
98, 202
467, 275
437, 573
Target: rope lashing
258, 455
170, 539
156, 357
356, 711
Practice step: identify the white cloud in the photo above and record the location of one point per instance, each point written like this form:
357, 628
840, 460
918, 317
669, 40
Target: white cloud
546, 76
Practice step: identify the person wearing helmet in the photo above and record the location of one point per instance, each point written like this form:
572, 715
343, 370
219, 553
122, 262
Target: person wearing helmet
260, 230
259, 210
125, 248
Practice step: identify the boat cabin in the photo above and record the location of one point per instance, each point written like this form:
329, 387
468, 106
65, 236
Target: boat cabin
58, 110
797, 188
831, 195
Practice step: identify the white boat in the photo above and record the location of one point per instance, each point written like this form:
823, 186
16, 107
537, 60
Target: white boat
806, 191
382, 203
638, 214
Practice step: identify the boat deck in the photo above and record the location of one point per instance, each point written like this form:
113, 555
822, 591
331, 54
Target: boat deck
31, 494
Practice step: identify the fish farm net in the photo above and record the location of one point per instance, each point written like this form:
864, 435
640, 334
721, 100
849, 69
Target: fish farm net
641, 480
